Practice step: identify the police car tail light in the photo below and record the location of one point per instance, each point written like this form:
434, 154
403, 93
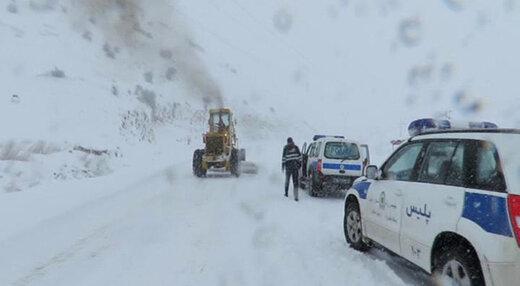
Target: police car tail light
513, 203
319, 168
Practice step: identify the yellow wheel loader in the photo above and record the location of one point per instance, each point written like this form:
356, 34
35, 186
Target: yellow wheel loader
221, 146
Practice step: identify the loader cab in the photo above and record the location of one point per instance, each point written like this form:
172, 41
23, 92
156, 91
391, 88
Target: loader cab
220, 120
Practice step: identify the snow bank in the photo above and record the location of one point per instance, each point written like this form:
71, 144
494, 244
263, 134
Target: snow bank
27, 164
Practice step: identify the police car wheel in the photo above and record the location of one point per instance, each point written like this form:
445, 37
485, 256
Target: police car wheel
353, 228
460, 267
310, 187
314, 189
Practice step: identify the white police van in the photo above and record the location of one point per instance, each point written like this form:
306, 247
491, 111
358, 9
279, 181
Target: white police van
446, 200
331, 163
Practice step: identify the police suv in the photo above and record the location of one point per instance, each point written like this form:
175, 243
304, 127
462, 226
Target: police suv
331, 163
448, 201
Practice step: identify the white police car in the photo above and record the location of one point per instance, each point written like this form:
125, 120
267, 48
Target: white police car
449, 202
332, 163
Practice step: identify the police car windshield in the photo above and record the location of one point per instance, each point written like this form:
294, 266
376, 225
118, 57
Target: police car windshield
341, 151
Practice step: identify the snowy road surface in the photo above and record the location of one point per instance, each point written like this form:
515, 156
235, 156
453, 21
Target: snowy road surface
173, 229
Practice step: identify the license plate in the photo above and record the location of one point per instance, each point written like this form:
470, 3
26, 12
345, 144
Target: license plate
340, 180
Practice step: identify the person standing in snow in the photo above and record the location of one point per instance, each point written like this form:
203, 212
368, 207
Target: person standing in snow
291, 163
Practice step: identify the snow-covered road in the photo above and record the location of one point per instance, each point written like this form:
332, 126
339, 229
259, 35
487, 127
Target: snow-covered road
173, 229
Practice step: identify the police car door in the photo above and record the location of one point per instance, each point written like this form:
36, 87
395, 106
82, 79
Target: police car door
365, 155
385, 196
315, 156
434, 204
305, 158
310, 157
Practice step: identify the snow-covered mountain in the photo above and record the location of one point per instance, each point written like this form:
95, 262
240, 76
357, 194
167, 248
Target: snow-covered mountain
107, 74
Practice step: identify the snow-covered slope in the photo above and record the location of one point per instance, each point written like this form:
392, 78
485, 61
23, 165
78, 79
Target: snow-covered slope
104, 74
73, 83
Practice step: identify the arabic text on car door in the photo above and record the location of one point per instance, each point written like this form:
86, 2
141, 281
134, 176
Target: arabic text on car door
385, 196
435, 202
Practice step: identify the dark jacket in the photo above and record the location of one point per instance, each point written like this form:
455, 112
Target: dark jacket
291, 157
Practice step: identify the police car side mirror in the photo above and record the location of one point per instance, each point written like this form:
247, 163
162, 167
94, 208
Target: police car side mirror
372, 172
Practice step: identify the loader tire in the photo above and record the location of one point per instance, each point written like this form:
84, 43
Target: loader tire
197, 163
235, 163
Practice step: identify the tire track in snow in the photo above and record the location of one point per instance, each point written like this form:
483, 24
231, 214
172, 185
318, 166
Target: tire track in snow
97, 216
62, 257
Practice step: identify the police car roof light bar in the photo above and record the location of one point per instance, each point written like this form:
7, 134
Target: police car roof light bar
482, 125
316, 137
419, 126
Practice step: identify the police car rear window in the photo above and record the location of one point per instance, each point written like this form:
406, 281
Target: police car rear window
341, 151
485, 169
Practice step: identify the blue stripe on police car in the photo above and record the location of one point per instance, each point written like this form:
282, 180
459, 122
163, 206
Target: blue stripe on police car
347, 167
489, 212
362, 189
